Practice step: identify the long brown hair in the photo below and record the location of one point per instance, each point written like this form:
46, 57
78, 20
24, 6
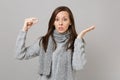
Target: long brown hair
51, 27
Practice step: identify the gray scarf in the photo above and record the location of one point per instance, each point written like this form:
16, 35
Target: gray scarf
46, 57
61, 37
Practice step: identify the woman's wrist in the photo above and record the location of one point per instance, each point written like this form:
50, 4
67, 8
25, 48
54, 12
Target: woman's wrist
80, 36
24, 29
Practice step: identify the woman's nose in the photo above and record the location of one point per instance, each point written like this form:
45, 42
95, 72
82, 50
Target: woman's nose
60, 23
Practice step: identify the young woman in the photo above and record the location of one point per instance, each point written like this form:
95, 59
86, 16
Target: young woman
60, 51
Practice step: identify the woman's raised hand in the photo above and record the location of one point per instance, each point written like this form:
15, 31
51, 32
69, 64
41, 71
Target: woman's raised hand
29, 22
81, 35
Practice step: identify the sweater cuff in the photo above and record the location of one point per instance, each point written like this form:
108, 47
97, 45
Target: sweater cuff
22, 33
79, 40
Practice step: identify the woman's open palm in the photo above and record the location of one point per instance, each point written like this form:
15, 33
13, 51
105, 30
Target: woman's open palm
82, 33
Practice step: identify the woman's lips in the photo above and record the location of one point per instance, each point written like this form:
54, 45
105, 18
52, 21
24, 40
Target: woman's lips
60, 28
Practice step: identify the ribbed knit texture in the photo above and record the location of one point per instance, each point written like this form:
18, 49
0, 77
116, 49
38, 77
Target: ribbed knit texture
58, 61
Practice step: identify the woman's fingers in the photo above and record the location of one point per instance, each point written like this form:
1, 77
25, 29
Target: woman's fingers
29, 22
90, 28
34, 20
81, 35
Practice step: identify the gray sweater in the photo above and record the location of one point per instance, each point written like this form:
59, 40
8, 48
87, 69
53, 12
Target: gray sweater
62, 66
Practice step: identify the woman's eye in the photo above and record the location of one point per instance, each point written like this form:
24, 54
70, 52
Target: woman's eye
56, 19
65, 19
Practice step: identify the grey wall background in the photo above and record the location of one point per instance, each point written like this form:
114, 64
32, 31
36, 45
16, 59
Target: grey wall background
103, 44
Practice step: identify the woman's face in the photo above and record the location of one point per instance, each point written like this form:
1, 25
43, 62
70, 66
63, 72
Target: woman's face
62, 22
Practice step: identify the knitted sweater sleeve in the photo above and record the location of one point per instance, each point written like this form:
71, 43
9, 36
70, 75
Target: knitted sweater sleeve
23, 52
79, 59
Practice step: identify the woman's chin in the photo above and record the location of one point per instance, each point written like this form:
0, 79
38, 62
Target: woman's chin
61, 31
